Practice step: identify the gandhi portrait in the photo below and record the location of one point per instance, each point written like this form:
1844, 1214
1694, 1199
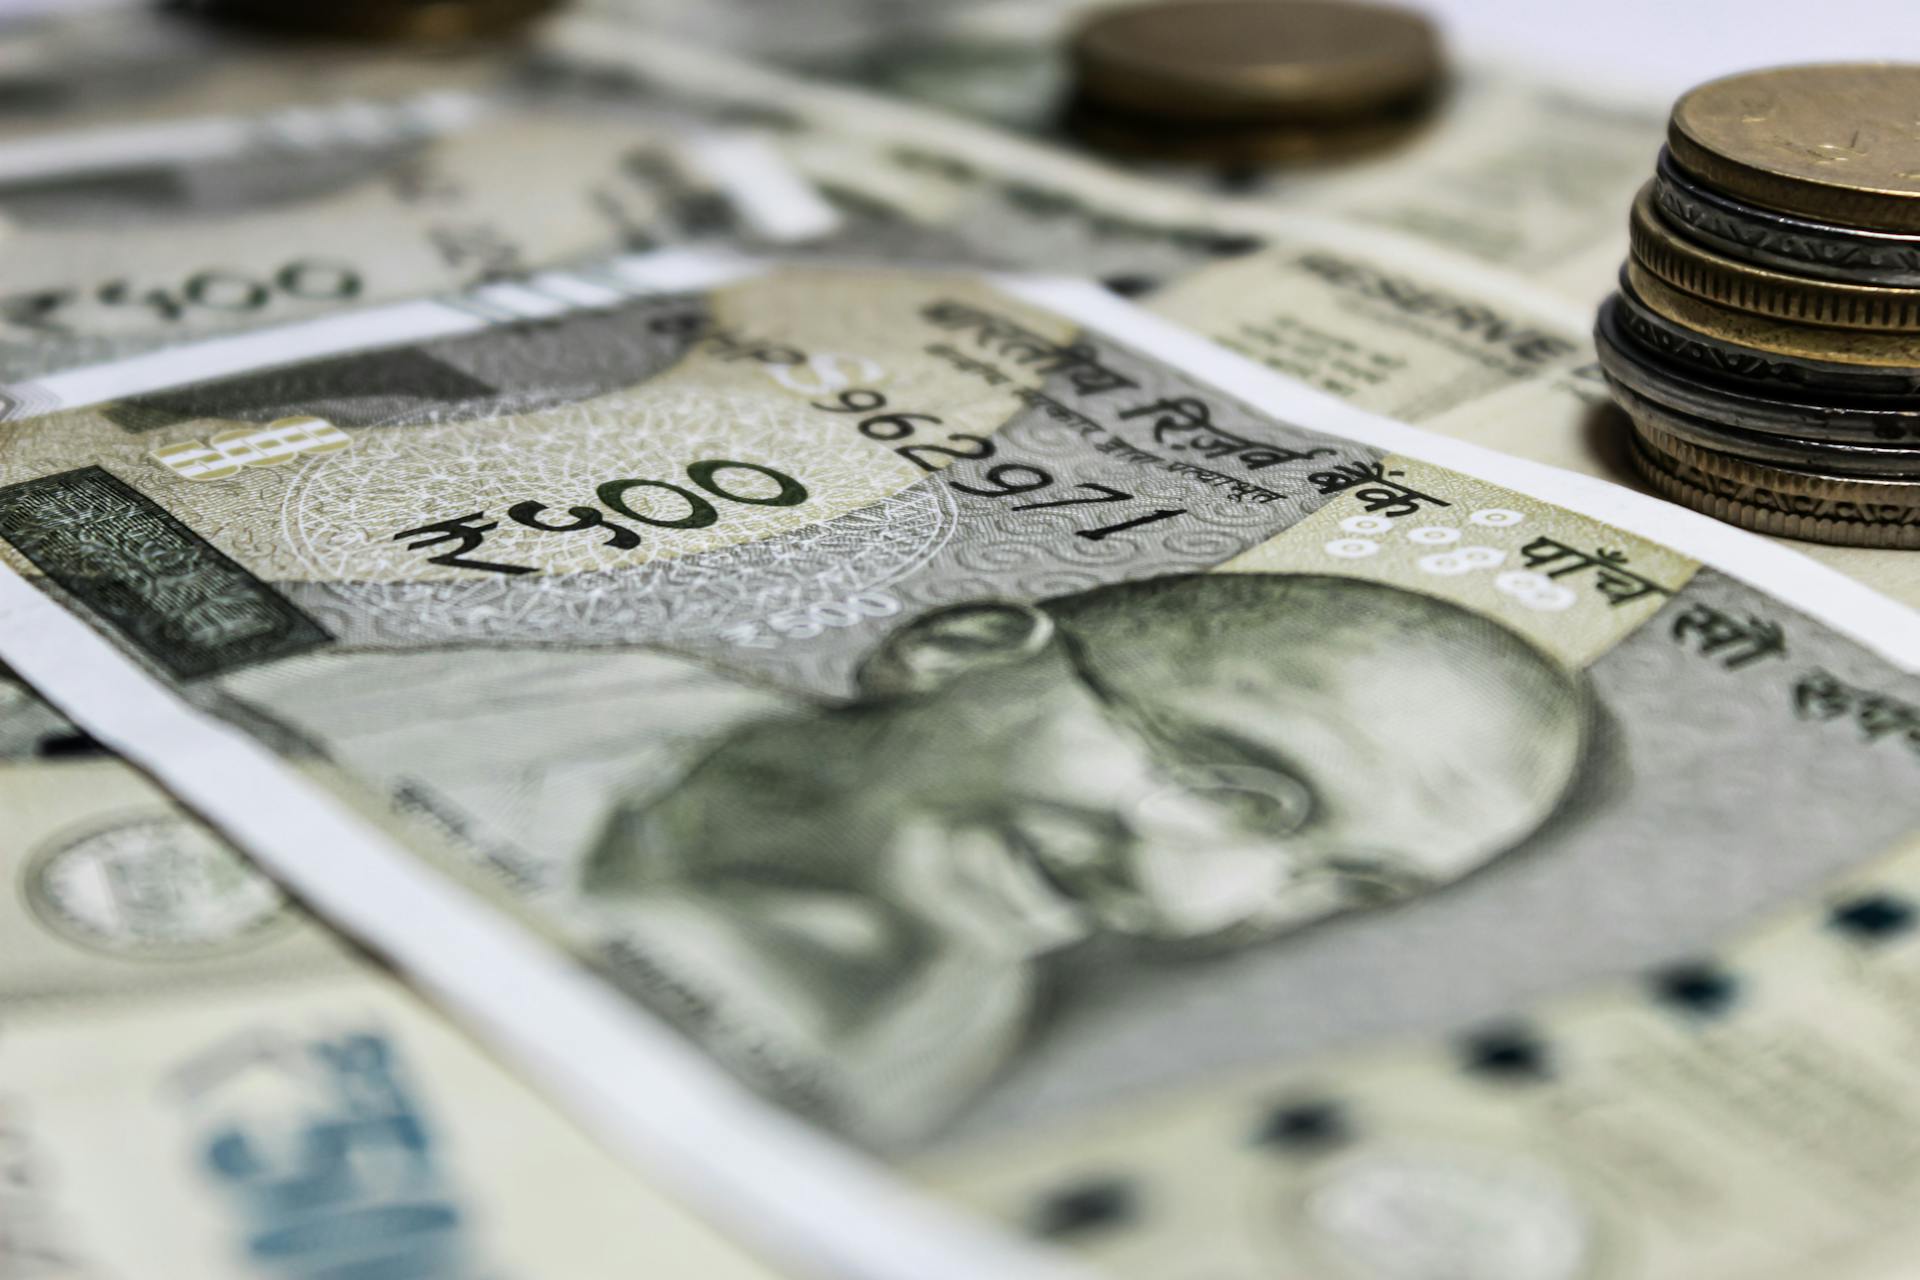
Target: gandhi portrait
1192, 763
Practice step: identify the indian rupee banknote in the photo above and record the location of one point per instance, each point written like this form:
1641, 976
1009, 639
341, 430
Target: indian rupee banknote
1751, 1110
182, 230
198, 1080
1521, 172
967, 710
1378, 317
115, 64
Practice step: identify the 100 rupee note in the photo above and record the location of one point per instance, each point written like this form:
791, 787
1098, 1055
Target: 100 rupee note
944, 700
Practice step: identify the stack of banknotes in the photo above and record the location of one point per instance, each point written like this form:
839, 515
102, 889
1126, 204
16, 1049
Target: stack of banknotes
689, 649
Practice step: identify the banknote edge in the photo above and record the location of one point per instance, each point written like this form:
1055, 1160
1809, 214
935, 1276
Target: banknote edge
808, 1201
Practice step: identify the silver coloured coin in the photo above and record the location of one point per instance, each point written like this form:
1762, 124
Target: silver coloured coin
1767, 372
1779, 450
1779, 240
1873, 424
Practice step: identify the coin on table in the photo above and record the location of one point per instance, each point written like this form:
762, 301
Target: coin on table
1256, 146
1767, 372
1646, 372
1764, 504
1798, 245
398, 21
1839, 142
1700, 271
1299, 61
1869, 348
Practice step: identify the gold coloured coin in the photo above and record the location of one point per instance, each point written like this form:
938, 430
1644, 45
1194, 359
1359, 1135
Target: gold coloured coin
386, 21
1841, 522
1839, 142
1864, 347
1298, 61
1705, 274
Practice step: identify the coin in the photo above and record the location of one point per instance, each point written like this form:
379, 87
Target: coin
409, 21
1247, 61
1792, 452
1785, 515
1626, 363
1746, 287
1806, 482
1799, 245
1838, 142
1768, 372
1230, 145
1865, 347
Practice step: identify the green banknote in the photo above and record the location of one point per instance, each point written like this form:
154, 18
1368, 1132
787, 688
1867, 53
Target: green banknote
198, 1080
968, 710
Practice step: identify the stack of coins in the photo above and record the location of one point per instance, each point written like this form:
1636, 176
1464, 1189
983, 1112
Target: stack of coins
1251, 82
1765, 340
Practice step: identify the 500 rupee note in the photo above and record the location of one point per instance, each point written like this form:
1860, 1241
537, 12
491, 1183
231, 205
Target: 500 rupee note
1513, 171
1369, 313
943, 700
197, 1080
378, 202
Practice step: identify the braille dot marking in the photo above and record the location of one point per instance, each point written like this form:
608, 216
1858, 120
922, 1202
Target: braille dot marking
1088, 1206
1698, 989
1131, 286
1507, 1054
1873, 917
1304, 1126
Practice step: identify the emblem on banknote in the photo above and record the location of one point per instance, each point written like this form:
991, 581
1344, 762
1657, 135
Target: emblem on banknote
156, 884
1415, 1213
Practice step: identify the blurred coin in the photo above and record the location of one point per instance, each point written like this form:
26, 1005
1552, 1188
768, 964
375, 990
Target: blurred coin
1247, 61
1760, 290
1868, 347
1642, 372
1770, 372
1837, 142
1711, 435
410, 21
1805, 482
1785, 514
1780, 240
1232, 146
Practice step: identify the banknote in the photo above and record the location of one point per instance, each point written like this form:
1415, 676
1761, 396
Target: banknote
1371, 314
1515, 170
963, 708
105, 65
184, 230
198, 1080
1748, 1111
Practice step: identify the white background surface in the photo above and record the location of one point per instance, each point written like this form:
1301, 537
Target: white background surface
1660, 45
1666, 46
